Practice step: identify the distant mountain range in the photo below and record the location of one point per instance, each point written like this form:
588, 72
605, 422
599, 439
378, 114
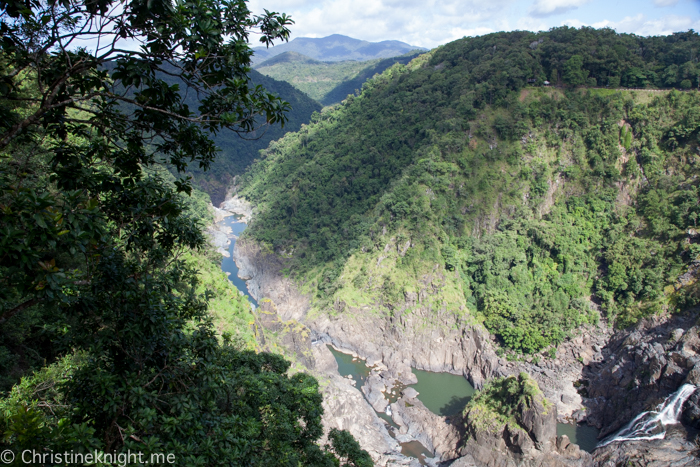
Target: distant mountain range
336, 48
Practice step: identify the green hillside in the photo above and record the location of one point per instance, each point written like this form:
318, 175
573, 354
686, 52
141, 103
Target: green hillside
326, 82
238, 153
536, 202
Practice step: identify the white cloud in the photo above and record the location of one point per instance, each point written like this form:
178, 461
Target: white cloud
642, 26
663, 3
528, 23
542, 8
429, 23
426, 23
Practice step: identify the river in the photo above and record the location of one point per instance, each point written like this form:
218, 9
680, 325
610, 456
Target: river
446, 394
228, 265
442, 393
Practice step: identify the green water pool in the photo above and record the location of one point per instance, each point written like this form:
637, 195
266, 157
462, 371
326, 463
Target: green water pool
443, 393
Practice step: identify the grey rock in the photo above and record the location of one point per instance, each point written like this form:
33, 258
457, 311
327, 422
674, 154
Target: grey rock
410, 393
374, 391
644, 366
345, 408
694, 375
436, 433
691, 411
674, 450
578, 416
529, 440
540, 422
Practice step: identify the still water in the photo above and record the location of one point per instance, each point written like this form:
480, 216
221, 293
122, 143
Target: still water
228, 265
446, 394
585, 436
349, 366
443, 393
417, 450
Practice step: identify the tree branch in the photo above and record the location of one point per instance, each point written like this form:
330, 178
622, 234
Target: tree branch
10, 313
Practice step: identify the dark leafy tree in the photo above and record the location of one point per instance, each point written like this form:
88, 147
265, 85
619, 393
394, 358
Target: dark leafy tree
93, 236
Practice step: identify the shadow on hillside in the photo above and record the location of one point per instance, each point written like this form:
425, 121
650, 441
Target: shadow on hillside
341, 91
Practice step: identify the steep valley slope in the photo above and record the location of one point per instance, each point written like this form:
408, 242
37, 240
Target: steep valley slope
326, 82
460, 216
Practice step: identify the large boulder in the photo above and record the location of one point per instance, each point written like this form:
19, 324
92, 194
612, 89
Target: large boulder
510, 423
691, 411
539, 419
373, 389
416, 422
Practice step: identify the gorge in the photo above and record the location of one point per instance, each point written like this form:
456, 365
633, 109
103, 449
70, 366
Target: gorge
439, 394
484, 254
540, 247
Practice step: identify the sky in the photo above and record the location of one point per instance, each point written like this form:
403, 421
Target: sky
429, 23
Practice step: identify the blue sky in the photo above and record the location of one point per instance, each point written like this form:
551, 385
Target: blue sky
429, 23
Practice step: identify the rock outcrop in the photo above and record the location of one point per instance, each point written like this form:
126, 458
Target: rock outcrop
238, 205
218, 233
677, 449
416, 333
262, 270
345, 408
641, 367
416, 422
691, 411
374, 389
513, 424
292, 336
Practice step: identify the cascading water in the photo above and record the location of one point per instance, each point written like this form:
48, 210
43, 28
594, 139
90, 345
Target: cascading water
652, 424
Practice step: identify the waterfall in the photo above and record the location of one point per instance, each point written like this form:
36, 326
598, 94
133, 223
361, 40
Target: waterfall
652, 424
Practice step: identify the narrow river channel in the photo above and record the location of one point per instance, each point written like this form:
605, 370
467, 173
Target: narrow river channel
228, 265
442, 393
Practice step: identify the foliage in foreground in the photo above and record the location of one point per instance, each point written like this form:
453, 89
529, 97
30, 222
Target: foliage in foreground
104, 319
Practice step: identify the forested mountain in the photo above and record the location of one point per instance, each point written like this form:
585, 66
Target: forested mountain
543, 206
326, 82
237, 153
336, 47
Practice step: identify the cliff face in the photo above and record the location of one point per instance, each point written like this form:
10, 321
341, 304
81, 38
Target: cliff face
640, 368
650, 361
423, 338
416, 334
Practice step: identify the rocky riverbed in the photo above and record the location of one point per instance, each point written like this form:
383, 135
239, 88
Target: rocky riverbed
589, 379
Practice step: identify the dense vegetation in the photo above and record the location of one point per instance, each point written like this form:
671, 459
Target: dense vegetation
536, 202
502, 401
326, 82
236, 153
125, 335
